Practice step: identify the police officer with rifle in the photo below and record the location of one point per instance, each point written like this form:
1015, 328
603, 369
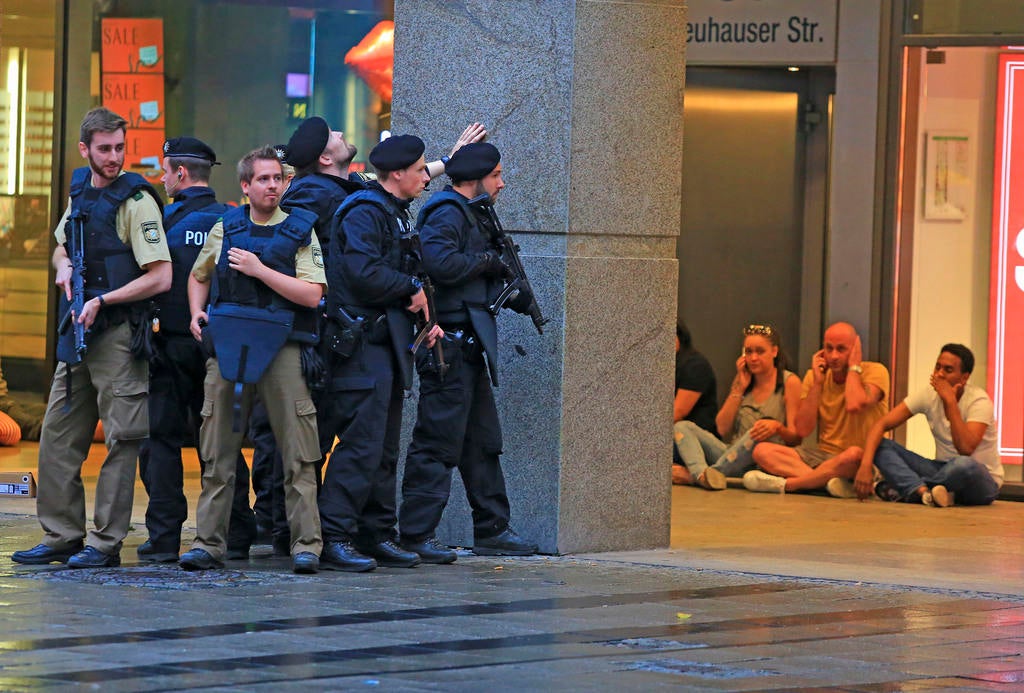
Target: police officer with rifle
122, 260
371, 302
464, 251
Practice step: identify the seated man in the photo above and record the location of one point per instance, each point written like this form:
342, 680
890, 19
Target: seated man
696, 396
843, 396
966, 465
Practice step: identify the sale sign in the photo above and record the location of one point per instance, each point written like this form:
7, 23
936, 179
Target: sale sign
1006, 294
132, 66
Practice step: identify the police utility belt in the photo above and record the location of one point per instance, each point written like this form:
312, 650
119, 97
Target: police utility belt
347, 327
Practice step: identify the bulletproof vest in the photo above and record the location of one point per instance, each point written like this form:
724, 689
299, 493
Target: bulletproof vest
186, 233
276, 246
321, 194
109, 262
474, 239
338, 289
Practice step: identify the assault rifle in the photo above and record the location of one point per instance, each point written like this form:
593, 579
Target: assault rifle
510, 254
413, 264
74, 231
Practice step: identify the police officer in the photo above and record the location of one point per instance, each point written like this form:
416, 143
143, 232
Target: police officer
176, 376
268, 278
457, 422
125, 261
371, 302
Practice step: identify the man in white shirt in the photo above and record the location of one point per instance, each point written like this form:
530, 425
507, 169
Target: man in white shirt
966, 468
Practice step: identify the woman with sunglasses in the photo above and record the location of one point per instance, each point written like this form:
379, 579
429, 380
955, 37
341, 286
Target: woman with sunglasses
761, 405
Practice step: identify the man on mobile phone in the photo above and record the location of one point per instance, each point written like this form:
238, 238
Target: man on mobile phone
843, 396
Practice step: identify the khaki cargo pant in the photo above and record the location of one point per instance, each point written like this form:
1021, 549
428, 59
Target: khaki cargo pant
112, 386
293, 420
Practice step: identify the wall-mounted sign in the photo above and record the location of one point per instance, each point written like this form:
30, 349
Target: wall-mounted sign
1006, 296
947, 176
761, 32
132, 67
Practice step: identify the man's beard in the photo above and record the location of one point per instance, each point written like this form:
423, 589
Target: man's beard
350, 155
98, 169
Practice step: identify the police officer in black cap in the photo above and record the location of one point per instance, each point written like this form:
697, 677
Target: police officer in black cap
371, 301
176, 376
457, 421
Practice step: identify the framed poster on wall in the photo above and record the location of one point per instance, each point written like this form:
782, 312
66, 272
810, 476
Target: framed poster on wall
947, 180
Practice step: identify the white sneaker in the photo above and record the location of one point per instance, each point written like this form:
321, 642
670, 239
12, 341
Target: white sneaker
940, 497
756, 480
838, 487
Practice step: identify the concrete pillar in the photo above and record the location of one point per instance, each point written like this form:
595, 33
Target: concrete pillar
584, 99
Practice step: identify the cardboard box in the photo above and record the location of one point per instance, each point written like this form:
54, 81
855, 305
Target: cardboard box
20, 484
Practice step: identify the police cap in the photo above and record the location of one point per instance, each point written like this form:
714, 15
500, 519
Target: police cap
396, 153
472, 161
189, 148
308, 142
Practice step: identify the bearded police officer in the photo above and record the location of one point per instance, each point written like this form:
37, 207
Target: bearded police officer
125, 261
269, 277
370, 306
457, 422
176, 376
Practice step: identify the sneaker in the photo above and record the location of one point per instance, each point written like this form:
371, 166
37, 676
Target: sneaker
885, 492
940, 497
838, 487
761, 482
711, 479
199, 559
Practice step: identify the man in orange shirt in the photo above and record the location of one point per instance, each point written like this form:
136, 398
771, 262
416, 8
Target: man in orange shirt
843, 397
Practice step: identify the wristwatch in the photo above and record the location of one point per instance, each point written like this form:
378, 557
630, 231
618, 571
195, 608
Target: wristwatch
857, 369
444, 160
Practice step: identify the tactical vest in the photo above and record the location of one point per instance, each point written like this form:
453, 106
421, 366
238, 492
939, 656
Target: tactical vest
337, 282
276, 246
185, 238
321, 194
477, 292
109, 262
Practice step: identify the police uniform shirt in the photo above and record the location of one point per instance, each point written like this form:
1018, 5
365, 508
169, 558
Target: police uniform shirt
309, 262
139, 226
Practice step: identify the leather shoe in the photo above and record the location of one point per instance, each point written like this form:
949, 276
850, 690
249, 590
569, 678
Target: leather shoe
148, 552
41, 554
341, 555
391, 555
199, 559
508, 543
430, 550
91, 557
305, 563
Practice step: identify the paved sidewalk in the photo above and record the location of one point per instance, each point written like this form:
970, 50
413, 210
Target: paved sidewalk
759, 592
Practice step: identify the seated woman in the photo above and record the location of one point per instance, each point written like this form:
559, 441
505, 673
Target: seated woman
696, 398
761, 405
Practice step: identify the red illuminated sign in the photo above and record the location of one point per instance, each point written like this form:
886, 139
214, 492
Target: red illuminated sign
1006, 299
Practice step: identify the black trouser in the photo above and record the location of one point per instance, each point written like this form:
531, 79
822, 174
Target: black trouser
175, 403
456, 426
363, 408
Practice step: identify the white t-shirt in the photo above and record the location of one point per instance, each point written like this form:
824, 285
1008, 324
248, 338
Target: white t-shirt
975, 405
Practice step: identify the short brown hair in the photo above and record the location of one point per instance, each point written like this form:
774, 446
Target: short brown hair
100, 119
247, 168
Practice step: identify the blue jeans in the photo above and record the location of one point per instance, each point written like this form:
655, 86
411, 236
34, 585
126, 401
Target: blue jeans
696, 447
968, 479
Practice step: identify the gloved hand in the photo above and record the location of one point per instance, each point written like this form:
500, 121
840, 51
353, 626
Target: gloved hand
492, 266
521, 302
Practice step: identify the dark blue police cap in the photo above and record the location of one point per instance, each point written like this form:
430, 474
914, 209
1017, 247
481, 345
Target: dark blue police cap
189, 148
307, 142
472, 161
396, 153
